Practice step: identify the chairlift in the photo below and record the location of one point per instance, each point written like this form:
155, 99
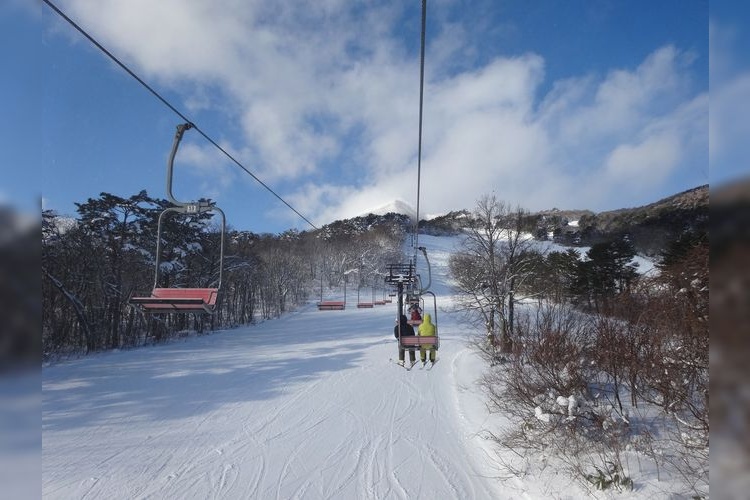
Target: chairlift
182, 300
414, 343
409, 281
403, 277
361, 302
331, 305
382, 300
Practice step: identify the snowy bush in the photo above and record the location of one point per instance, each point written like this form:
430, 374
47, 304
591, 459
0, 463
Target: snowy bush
588, 389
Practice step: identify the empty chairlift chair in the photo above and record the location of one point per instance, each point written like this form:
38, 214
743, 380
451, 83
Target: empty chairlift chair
331, 305
182, 300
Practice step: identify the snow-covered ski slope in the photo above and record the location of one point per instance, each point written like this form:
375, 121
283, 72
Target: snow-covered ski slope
306, 406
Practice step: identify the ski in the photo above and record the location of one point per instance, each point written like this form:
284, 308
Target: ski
404, 365
432, 363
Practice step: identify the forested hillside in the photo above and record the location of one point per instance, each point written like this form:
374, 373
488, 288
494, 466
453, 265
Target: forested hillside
651, 228
92, 265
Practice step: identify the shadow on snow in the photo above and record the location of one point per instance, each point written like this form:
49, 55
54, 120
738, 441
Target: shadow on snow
198, 375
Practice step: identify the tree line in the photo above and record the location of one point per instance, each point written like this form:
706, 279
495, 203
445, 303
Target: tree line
94, 263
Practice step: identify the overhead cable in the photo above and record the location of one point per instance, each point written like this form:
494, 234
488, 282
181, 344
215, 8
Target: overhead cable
421, 100
173, 108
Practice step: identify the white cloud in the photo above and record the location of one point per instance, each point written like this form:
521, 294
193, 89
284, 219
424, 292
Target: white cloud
574, 146
649, 161
302, 82
590, 109
206, 163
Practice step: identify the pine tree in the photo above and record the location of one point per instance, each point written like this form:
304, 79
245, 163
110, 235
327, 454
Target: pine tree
606, 271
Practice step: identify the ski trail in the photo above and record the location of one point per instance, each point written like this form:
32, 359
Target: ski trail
306, 406
390, 463
371, 473
258, 471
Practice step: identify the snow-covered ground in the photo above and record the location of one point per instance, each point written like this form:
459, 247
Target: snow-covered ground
306, 406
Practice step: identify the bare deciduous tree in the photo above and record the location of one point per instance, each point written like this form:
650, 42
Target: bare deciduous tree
493, 264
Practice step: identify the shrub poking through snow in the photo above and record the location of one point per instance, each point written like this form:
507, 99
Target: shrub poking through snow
611, 476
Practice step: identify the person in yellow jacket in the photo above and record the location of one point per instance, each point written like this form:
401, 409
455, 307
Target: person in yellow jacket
427, 328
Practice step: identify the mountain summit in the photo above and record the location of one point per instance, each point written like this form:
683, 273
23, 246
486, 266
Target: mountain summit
396, 207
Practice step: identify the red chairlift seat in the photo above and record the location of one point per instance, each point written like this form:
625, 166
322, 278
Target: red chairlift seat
416, 341
331, 305
180, 300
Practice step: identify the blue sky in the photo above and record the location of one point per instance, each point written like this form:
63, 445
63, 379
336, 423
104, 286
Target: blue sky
592, 104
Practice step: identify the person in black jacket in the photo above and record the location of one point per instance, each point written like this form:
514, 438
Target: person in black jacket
406, 329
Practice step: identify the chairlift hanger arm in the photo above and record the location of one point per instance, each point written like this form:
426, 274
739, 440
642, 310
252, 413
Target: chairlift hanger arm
187, 207
429, 270
190, 208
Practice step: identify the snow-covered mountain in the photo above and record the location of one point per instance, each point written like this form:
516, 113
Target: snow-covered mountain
398, 215
395, 207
